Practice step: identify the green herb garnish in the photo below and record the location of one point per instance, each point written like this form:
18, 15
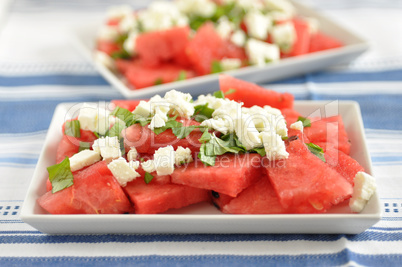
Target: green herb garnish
158, 81
60, 175
182, 76
316, 150
84, 146
216, 67
72, 128
148, 177
306, 121
202, 112
123, 54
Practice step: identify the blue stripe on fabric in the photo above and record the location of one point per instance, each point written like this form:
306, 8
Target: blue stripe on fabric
18, 160
378, 111
61, 79
340, 258
55, 239
386, 158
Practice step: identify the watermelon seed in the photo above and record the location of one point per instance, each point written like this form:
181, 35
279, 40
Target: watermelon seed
293, 138
215, 194
216, 205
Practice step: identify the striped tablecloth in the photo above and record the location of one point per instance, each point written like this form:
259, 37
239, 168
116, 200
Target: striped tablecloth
39, 68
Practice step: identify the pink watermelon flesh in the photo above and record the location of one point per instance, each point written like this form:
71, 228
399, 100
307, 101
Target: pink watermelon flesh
231, 174
251, 94
328, 132
156, 198
302, 44
155, 48
146, 141
320, 41
95, 191
343, 164
304, 183
258, 198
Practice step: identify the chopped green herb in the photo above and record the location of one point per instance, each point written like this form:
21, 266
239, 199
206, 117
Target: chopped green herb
306, 121
121, 54
72, 128
84, 146
158, 81
171, 123
148, 177
206, 159
216, 67
117, 128
202, 112
316, 150
183, 132
121, 38
205, 137
259, 150
123, 114
230, 91
219, 94
96, 134
182, 76
60, 175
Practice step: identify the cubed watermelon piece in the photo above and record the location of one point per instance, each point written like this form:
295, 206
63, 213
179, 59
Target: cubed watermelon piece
258, 198
231, 174
146, 141
251, 94
328, 132
129, 104
302, 43
156, 198
343, 164
107, 47
219, 199
95, 191
320, 41
140, 76
290, 115
304, 183
157, 47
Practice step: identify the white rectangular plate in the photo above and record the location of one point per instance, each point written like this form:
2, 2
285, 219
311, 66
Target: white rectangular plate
84, 37
203, 217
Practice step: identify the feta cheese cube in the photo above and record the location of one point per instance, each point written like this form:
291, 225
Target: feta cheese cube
160, 15
148, 166
261, 53
129, 43
212, 101
298, 125
164, 159
157, 122
284, 35
84, 158
94, 118
117, 12
143, 109
364, 188
230, 63
183, 156
246, 132
224, 27
108, 147
258, 24
122, 171
274, 146
203, 8
180, 103
128, 24
108, 33
280, 5
238, 38
132, 154
219, 124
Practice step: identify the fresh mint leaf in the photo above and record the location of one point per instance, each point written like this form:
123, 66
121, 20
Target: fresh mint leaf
123, 114
216, 67
182, 76
72, 128
123, 54
183, 132
170, 124
306, 121
60, 175
148, 177
259, 150
205, 137
202, 112
84, 146
316, 150
117, 128
230, 91
219, 94
206, 159
158, 81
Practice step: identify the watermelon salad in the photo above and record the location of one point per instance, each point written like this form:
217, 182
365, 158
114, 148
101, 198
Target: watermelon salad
243, 149
177, 40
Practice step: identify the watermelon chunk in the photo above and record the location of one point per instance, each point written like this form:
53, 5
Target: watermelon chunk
302, 44
156, 197
290, 115
320, 41
230, 175
107, 47
251, 94
95, 191
304, 183
146, 141
127, 104
328, 132
155, 48
258, 198
343, 164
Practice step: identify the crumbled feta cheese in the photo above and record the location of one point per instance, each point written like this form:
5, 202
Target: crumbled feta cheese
238, 38
230, 63
143, 109
160, 15
219, 124
224, 27
313, 24
122, 171
105, 60
261, 53
164, 159
128, 23
130, 43
258, 24
298, 125
132, 154
248, 5
183, 155
180, 103
280, 5
135, 164
108, 33
94, 118
83, 158
284, 35
108, 147
157, 122
274, 146
364, 188
148, 166
203, 8
246, 132
117, 12
212, 101
280, 15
